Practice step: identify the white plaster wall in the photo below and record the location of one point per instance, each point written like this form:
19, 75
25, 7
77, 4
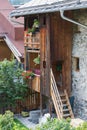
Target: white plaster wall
79, 78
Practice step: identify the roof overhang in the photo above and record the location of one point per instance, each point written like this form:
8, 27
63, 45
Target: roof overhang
48, 8
14, 50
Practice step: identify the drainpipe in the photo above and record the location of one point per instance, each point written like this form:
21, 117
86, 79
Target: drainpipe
70, 20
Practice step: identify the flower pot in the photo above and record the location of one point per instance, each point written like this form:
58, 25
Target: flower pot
25, 113
37, 71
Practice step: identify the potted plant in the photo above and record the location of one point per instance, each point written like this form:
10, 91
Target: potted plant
35, 27
37, 62
25, 112
28, 74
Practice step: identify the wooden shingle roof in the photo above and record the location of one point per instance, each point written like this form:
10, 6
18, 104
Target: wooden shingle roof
47, 6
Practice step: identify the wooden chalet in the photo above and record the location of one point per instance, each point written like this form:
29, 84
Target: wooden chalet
52, 42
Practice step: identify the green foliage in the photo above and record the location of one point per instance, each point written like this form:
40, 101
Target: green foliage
82, 127
12, 86
17, 125
55, 124
7, 122
34, 26
37, 60
36, 23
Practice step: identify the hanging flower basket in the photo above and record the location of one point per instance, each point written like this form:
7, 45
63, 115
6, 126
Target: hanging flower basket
28, 74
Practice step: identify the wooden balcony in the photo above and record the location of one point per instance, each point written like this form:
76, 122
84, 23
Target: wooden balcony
32, 40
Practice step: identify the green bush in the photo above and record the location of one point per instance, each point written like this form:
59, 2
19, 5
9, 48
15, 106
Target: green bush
17, 125
82, 127
12, 86
55, 124
6, 121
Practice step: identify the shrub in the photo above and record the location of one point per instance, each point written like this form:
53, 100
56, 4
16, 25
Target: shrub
55, 124
6, 121
82, 127
12, 86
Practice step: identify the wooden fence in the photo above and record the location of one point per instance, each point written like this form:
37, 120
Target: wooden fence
31, 101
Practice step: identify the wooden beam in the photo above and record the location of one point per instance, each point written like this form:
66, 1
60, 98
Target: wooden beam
48, 63
41, 62
26, 59
47, 49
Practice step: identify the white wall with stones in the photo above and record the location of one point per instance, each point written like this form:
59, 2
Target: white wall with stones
79, 77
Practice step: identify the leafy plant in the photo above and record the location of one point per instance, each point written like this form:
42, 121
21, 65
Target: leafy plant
34, 27
17, 125
37, 60
82, 127
7, 122
27, 74
36, 23
55, 124
12, 86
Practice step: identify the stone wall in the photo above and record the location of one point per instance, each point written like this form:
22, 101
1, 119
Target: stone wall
79, 76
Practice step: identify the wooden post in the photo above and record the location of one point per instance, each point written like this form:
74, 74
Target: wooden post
26, 47
48, 53
48, 63
45, 57
41, 65
26, 58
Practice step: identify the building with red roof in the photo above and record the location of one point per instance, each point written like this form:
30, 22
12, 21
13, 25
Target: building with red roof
11, 33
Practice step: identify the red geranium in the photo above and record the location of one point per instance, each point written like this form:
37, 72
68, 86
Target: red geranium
27, 74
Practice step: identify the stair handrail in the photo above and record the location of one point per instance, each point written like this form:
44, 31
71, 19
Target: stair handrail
58, 102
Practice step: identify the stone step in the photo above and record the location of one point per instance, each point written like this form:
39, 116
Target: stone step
35, 115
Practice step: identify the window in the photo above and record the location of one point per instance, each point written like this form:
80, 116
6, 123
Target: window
75, 63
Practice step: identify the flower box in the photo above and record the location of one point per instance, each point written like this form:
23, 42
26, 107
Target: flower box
36, 83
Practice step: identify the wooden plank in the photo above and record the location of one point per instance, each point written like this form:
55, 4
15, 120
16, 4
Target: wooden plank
27, 66
36, 83
61, 45
47, 49
42, 57
33, 51
42, 41
45, 56
69, 106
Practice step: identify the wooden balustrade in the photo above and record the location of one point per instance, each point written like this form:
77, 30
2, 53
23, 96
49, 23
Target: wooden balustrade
32, 40
56, 97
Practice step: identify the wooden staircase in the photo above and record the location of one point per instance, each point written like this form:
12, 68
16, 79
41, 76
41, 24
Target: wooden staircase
60, 101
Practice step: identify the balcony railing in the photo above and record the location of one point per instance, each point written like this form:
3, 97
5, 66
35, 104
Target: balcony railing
32, 40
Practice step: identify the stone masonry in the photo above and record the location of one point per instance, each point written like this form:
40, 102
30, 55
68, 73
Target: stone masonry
79, 77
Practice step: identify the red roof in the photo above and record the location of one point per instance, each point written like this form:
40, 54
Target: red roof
14, 30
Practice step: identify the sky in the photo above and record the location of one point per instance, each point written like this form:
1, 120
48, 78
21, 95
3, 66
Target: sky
17, 2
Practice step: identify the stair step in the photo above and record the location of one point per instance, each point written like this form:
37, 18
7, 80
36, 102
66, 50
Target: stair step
62, 95
65, 110
66, 115
65, 105
64, 100
60, 100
